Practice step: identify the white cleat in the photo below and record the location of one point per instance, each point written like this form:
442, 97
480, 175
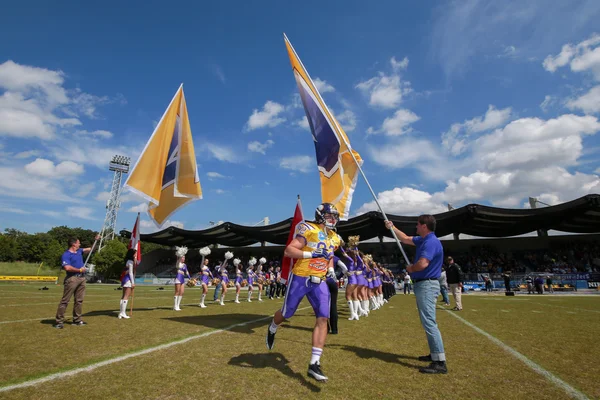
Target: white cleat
124, 316
237, 301
202, 305
222, 303
249, 301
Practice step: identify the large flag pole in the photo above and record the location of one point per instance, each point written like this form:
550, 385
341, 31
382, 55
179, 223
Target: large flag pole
347, 144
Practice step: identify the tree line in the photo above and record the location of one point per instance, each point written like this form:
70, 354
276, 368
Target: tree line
48, 248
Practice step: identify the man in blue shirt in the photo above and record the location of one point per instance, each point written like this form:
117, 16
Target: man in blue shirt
425, 273
72, 262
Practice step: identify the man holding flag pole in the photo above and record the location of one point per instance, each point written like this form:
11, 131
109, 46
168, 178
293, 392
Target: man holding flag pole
338, 165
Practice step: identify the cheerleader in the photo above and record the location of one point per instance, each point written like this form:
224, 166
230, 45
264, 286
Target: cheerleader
352, 285
206, 275
251, 278
127, 281
224, 276
238, 278
362, 283
260, 277
182, 272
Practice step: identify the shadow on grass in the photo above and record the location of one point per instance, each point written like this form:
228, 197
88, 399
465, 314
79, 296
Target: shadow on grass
115, 312
380, 355
239, 323
272, 360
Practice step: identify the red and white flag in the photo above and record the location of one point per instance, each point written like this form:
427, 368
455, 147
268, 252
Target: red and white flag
134, 242
288, 263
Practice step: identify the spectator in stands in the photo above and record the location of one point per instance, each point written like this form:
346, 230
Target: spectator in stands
539, 285
529, 282
506, 277
549, 283
407, 283
455, 278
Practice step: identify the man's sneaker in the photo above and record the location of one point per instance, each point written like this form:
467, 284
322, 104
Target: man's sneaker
58, 326
80, 323
456, 309
270, 339
314, 370
436, 367
426, 358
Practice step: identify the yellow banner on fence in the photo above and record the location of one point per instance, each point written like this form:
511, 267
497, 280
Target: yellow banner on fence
29, 278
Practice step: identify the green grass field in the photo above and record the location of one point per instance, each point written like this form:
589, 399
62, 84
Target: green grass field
222, 353
25, 269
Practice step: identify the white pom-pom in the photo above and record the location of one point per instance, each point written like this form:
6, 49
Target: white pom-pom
228, 255
236, 262
262, 260
252, 261
180, 251
204, 251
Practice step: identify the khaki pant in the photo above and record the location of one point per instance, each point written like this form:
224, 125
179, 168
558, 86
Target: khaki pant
456, 293
73, 285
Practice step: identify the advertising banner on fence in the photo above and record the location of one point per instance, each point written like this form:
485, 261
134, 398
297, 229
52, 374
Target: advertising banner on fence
29, 278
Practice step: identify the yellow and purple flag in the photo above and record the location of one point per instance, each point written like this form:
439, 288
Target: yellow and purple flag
166, 173
338, 169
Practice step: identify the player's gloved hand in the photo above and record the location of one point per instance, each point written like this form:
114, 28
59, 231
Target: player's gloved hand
317, 253
331, 273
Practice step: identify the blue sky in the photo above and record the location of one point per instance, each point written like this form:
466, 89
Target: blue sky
455, 102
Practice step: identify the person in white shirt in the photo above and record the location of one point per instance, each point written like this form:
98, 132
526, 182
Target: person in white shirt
407, 283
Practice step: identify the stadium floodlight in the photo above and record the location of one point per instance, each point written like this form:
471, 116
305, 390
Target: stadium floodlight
119, 163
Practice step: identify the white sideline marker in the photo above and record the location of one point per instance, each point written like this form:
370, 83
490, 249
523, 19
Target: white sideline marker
570, 390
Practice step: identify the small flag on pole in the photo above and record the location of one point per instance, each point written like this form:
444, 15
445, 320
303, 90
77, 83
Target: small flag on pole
337, 162
166, 174
134, 242
288, 263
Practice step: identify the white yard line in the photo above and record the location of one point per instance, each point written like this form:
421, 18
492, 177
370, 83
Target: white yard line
92, 367
570, 390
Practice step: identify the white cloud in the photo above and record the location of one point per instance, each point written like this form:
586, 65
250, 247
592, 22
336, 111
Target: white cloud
303, 123
535, 143
508, 52
323, 86
258, 147
548, 102
85, 189
585, 56
589, 103
220, 191
142, 207
215, 175
53, 214
222, 153
218, 71
12, 210
150, 227
398, 65
467, 30
81, 212
16, 182
384, 91
347, 119
456, 139
35, 103
97, 155
27, 154
404, 201
46, 168
269, 116
98, 133
297, 163
397, 125
126, 197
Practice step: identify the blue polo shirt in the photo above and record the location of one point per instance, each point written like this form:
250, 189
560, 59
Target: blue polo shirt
430, 248
75, 260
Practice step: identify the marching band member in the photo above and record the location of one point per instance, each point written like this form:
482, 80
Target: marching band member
127, 281
312, 248
182, 272
238, 278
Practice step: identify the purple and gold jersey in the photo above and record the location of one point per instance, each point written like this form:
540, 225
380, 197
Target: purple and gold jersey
315, 238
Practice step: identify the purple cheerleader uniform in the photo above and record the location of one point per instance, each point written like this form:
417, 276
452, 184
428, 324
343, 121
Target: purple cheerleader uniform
251, 276
352, 277
238, 277
182, 271
224, 275
360, 272
206, 275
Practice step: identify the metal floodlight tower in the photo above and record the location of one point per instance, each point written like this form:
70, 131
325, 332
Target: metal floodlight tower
120, 165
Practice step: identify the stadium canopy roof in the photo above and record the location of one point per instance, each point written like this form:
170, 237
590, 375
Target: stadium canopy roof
578, 216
